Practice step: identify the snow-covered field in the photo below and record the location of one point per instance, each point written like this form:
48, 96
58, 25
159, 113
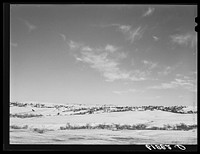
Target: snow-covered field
46, 123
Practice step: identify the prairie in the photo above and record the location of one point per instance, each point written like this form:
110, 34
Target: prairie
46, 123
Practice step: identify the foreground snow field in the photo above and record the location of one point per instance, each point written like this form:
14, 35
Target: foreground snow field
75, 124
85, 136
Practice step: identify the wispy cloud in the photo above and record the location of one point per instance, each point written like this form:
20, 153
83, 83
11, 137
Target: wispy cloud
124, 28
107, 63
108, 48
149, 64
166, 70
131, 34
86, 48
188, 39
77, 58
108, 67
63, 36
188, 84
155, 38
111, 48
135, 34
74, 45
128, 91
29, 25
149, 12
163, 86
121, 55
192, 75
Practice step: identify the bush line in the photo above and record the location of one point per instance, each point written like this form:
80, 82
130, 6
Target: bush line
181, 126
25, 115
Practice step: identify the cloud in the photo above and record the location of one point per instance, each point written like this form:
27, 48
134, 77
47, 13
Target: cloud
121, 55
155, 38
188, 84
149, 12
191, 75
86, 48
163, 86
110, 48
169, 69
124, 28
188, 39
77, 58
131, 34
128, 91
29, 25
102, 64
74, 45
135, 34
185, 83
107, 63
109, 67
63, 36
150, 65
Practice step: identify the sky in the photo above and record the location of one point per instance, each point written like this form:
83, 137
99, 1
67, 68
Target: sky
104, 54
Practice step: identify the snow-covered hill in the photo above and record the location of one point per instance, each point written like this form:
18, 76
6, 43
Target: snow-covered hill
61, 114
42, 118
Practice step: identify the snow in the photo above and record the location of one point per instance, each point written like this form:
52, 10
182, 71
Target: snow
51, 122
104, 137
190, 108
151, 118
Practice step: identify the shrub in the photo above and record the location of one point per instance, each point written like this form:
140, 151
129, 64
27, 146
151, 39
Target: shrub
125, 127
18, 127
133, 127
88, 126
39, 130
167, 127
25, 115
180, 126
68, 126
183, 126
130, 127
117, 126
154, 128
62, 128
192, 126
101, 126
141, 126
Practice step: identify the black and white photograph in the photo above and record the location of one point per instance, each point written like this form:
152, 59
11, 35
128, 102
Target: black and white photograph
103, 74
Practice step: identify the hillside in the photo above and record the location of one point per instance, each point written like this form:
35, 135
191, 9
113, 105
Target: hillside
101, 124
58, 115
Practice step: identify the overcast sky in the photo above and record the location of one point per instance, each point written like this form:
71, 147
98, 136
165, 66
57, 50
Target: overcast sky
104, 54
